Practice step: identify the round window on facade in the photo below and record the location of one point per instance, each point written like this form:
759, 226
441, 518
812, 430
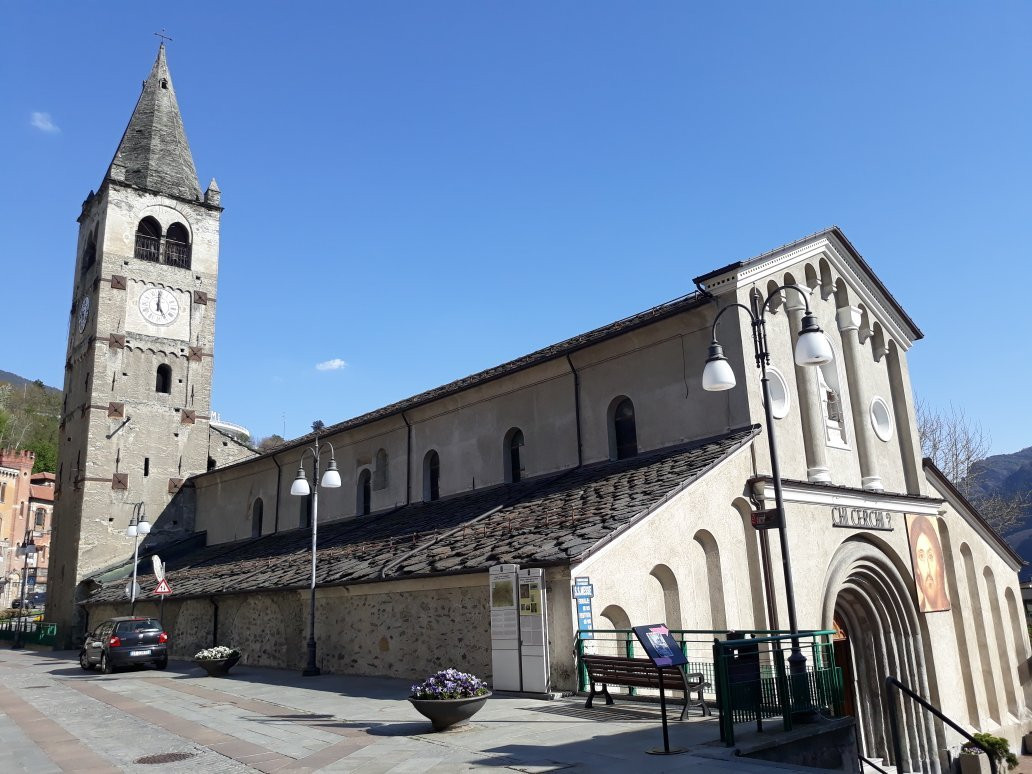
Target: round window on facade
881, 419
779, 401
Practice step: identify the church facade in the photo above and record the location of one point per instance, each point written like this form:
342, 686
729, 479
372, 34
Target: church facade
602, 457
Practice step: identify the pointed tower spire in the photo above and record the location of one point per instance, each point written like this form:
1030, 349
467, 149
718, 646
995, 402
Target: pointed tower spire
154, 153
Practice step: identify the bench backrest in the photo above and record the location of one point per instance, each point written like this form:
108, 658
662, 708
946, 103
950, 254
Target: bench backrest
637, 672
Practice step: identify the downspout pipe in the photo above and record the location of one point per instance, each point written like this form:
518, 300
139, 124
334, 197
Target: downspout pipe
408, 459
214, 622
576, 409
279, 484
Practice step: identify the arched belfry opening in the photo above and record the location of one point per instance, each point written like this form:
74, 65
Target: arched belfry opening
869, 601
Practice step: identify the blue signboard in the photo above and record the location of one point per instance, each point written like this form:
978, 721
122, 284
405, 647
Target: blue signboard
582, 594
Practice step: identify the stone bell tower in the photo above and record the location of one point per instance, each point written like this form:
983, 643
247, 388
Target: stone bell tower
139, 361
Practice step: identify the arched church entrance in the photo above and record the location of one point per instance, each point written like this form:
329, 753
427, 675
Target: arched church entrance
867, 599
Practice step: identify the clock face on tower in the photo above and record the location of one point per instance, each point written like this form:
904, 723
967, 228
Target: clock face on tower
84, 313
159, 306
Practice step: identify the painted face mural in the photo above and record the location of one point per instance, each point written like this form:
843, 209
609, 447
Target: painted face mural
929, 572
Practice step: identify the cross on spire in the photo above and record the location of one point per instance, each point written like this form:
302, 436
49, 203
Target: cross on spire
163, 36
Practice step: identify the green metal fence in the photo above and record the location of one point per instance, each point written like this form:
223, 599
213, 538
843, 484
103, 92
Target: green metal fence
755, 681
31, 632
746, 672
696, 644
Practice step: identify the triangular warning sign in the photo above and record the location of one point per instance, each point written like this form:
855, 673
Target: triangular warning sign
163, 587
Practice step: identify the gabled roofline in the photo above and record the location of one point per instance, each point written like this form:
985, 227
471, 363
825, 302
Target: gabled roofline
966, 504
831, 231
754, 431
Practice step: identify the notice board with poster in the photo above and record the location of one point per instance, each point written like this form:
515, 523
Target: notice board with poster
661, 648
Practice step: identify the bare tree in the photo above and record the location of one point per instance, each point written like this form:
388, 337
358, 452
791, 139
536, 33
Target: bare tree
958, 445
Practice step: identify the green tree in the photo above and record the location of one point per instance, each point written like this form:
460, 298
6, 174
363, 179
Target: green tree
29, 418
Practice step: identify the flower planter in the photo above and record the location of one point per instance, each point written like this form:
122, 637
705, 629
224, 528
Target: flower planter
445, 713
217, 667
974, 763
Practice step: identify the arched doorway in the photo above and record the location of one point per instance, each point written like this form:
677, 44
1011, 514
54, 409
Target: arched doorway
868, 598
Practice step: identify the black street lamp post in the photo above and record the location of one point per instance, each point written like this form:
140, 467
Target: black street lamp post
812, 349
26, 549
138, 527
301, 488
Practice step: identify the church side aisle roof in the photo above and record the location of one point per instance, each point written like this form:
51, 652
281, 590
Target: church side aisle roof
154, 153
544, 521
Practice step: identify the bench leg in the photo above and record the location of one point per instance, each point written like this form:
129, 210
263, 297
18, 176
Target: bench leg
591, 697
605, 692
699, 702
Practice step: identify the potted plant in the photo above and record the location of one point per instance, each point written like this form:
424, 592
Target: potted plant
449, 698
217, 661
974, 761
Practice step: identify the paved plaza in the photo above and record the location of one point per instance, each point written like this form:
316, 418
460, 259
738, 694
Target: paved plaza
56, 718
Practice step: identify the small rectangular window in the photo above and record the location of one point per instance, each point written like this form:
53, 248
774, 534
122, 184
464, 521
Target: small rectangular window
146, 466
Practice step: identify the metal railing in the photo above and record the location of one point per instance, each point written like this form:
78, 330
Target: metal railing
754, 681
177, 254
745, 673
892, 684
167, 251
28, 631
696, 644
148, 248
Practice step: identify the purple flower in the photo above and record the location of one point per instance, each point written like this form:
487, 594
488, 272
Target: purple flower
449, 684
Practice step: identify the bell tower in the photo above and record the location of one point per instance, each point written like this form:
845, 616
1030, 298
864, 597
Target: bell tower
138, 369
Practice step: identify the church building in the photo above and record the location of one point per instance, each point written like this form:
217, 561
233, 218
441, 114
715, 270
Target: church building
598, 461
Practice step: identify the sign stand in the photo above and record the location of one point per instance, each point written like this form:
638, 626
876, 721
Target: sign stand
663, 651
163, 590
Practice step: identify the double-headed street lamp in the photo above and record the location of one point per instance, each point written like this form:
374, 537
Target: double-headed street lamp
138, 525
26, 549
301, 488
812, 349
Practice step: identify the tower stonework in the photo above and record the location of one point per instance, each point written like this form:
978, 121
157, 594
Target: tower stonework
138, 370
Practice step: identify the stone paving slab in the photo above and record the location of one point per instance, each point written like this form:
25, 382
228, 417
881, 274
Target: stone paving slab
276, 721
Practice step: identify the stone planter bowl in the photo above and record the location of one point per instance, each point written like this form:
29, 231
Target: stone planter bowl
445, 713
217, 667
974, 763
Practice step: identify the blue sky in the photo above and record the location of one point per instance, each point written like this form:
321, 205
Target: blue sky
423, 190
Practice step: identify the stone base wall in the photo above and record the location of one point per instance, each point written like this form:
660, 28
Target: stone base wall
399, 629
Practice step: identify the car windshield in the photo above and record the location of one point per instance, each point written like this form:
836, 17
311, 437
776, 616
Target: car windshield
141, 625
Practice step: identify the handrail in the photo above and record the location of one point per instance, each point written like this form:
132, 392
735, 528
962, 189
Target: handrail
897, 749
868, 762
862, 757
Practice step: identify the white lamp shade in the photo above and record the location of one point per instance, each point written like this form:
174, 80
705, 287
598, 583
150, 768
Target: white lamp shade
813, 348
300, 486
130, 531
331, 478
718, 375
143, 527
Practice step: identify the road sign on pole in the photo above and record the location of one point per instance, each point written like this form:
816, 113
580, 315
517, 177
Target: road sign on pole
132, 590
163, 587
159, 567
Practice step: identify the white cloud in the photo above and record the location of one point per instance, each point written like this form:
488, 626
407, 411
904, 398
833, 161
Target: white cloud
43, 122
331, 365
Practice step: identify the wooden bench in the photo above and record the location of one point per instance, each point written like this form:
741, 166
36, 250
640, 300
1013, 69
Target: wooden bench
642, 673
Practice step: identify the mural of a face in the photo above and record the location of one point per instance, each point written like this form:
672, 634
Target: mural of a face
929, 573
928, 570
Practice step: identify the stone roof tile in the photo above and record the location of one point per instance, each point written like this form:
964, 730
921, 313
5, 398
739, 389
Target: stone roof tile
547, 520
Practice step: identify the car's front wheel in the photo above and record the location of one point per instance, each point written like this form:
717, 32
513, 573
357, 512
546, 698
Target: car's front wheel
84, 661
105, 664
